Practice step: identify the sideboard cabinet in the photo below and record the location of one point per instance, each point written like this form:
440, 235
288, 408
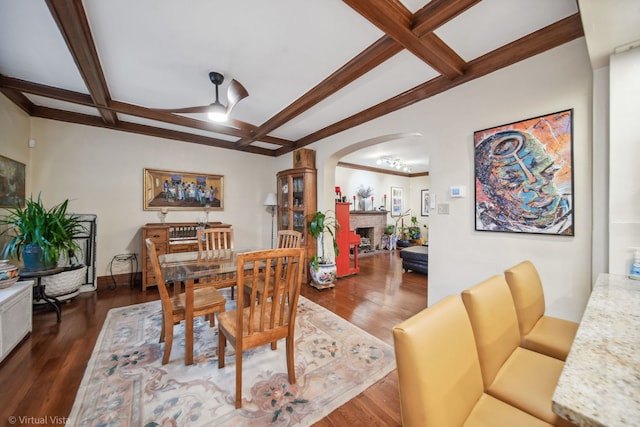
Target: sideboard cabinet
15, 315
170, 237
297, 200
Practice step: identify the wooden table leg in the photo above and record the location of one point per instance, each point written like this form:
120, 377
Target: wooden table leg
188, 318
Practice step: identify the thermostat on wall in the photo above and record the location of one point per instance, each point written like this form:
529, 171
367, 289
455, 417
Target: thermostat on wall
457, 191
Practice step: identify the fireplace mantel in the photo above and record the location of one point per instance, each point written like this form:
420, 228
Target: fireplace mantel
365, 219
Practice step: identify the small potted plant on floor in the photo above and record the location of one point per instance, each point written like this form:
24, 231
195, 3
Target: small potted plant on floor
322, 265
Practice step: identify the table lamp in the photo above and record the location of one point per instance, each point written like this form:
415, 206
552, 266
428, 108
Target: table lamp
272, 201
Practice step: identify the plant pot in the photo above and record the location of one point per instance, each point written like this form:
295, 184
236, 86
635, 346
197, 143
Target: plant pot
324, 275
33, 259
65, 285
403, 243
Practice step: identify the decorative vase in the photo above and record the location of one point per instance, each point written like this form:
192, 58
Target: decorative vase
324, 275
361, 204
9, 274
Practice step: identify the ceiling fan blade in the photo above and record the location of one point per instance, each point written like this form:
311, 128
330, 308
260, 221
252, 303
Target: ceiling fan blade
200, 109
235, 93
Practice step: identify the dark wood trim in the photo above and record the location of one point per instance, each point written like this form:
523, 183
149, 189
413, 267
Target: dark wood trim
554, 35
381, 170
84, 119
380, 51
72, 22
19, 99
396, 20
383, 49
242, 129
404, 30
437, 13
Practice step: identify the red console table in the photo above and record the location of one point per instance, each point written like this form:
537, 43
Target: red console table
346, 239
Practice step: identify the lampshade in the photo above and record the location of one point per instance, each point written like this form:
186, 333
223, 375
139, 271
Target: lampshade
271, 199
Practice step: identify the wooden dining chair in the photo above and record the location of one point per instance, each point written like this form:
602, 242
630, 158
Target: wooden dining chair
289, 239
286, 239
211, 241
270, 319
206, 302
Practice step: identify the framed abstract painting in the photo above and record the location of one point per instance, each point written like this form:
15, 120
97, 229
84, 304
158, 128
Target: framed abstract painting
524, 176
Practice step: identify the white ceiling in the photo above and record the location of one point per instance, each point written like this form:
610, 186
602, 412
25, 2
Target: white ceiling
158, 53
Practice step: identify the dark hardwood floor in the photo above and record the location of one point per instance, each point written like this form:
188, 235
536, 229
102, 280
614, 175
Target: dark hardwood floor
39, 379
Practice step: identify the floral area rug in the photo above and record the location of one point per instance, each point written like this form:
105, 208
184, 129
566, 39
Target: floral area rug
125, 383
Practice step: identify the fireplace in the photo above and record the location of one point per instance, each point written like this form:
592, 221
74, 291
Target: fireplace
367, 238
372, 221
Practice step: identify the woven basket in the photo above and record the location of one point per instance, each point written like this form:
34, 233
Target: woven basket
66, 283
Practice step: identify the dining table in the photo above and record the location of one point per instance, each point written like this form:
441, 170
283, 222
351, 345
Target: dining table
600, 381
188, 267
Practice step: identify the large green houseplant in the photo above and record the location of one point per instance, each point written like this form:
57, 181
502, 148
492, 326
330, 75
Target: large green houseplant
323, 268
40, 236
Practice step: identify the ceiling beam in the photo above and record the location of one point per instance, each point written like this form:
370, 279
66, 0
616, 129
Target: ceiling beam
380, 51
549, 37
18, 98
381, 170
72, 22
243, 129
397, 21
438, 13
95, 121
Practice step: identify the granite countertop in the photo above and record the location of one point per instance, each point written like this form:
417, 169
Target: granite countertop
600, 382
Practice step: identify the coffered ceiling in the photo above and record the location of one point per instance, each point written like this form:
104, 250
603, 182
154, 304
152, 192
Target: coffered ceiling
312, 68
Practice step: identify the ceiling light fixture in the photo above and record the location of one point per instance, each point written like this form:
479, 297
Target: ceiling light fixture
394, 162
217, 112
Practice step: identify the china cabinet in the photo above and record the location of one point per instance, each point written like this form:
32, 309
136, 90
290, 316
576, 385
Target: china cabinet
296, 201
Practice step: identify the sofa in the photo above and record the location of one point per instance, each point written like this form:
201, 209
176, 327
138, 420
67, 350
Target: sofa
415, 258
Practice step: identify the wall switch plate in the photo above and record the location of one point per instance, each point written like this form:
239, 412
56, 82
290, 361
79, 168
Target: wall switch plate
443, 209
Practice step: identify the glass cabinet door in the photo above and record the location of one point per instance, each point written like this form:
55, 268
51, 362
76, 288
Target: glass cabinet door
296, 201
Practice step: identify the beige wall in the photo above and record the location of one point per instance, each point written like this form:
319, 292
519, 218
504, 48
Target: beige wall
460, 257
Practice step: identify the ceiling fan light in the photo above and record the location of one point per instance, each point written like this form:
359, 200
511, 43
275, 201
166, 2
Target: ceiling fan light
217, 113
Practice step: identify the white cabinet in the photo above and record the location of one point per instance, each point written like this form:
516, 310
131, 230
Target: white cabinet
16, 304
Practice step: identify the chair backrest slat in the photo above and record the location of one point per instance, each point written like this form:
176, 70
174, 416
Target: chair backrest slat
214, 239
289, 239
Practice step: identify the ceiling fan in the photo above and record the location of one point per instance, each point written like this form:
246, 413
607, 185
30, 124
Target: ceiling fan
216, 111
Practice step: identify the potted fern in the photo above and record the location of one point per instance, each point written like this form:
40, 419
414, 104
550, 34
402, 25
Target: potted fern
322, 265
40, 236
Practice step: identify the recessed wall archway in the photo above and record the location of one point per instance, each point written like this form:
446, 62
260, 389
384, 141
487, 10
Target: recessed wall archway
326, 174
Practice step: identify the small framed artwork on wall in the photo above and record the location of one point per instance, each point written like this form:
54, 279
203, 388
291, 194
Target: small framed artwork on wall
12, 183
425, 200
396, 201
